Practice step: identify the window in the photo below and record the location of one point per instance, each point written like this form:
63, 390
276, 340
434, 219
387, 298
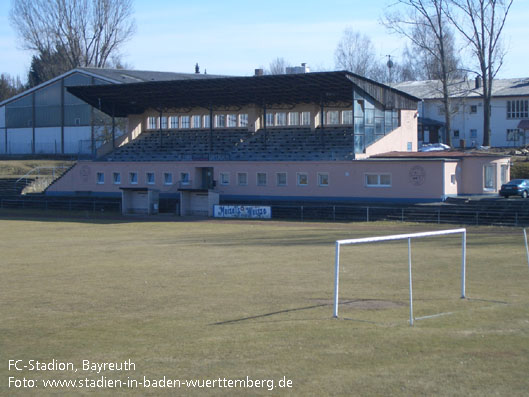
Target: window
151, 123
232, 120
473, 108
224, 178
513, 134
184, 178
453, 179
242, 178
333, 117
270, 119
173, 122
206, 121
167, 178
378, 180
456, 133
347, 117
243, 120
100, 178
133, 178
518, 109
293, 118
116, 178
197, 121
261, 179
281, 118
185, 122
409, 146
163, 122
220, 120
305, 118
473, 133
281, 178
370, 116
150, 178
302, 178
489, 174
323, 179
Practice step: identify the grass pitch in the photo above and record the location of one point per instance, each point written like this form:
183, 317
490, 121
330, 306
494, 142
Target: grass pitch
211, 300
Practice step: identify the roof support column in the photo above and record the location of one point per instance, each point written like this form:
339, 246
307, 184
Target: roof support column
322, 123
210, 137
160, 130
264, 125
113, 126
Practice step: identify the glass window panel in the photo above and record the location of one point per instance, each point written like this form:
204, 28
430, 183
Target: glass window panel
347, 117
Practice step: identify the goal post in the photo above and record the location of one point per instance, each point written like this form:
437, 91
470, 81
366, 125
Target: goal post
408, 237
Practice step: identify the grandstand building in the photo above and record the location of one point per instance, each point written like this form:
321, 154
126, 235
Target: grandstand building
330, 136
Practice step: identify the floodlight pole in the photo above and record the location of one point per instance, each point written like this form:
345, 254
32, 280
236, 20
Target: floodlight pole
336, 277
411, 287
464, 264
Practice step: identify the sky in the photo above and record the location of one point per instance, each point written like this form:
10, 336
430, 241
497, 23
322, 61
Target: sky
233, 37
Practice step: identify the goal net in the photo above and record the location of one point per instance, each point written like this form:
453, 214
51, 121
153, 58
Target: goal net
409, 237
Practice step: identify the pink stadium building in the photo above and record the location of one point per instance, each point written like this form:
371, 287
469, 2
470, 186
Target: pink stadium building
329, 137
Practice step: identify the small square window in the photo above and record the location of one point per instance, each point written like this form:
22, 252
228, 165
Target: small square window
303, 179
220, 120
184, 178
323, 179
163, 122
151, 123
185, 122
242, 178
347, 117
232, 120
116, 177
150, 178
473, 133
261, 179
281, 178
293, 118
133, 178
167, 178
456, 133
224, 178
100, 178
197, 121
281, 118
305, 118
173, 122
473, 108
243, 120
333, 117
453, 179
270, 119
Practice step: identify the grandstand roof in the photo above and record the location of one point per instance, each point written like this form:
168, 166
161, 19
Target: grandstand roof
324, 87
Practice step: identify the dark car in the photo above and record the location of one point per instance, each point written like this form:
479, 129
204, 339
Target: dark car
516, 187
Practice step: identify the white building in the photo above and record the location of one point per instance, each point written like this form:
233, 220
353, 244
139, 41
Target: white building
47, 119
509, 108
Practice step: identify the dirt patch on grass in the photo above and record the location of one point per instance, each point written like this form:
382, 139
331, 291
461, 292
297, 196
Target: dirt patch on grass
365, 304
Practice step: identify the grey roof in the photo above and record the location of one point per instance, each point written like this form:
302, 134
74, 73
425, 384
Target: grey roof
432, 89
140, 76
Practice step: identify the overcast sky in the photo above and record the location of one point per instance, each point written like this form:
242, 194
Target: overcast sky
234, 37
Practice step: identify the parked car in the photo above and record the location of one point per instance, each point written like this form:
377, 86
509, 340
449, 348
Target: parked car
516, 187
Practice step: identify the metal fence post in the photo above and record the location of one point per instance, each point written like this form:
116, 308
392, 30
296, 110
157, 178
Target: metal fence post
301, 213
367, 214
334, 213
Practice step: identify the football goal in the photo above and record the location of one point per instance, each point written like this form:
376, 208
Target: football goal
408, 237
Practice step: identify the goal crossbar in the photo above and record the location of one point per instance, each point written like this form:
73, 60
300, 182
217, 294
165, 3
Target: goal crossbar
408, 237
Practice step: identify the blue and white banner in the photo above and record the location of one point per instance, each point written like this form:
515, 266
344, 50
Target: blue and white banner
242, 211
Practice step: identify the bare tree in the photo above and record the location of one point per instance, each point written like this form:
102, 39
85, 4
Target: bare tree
355, 53
480, 23
278, 66
84, 32
9, 86
426, 26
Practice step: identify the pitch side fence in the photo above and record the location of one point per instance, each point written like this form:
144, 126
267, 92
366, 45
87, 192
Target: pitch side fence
457, 215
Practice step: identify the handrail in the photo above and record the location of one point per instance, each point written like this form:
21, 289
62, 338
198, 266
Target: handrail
27, 174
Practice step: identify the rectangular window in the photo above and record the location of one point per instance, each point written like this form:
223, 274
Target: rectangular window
347, 117
133, 178
220, 121
100, 178
473, 133
242, 178
281, 118
270, 119
281, 178
293, 118
370, 116
513, 134
167, 178
116, 178
518, 109
456, 133
184, 178
333, 117
261, 179
323, 179
173, 122
197, 121
150, 178
163, 122
224, 178
378, 180
206, 121
243, 120
151, 123
302, 178
504, 173
453, 179
232, 120
473, 109
305, 118
185, 122
489, 174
